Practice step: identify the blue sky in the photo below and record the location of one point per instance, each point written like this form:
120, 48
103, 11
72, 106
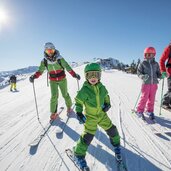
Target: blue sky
82, 29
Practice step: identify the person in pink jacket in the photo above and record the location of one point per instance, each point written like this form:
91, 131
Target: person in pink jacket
149, 72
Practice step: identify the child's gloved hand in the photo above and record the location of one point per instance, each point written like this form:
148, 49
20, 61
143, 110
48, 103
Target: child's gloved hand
164, 75
106, 107
81, 118
145, 77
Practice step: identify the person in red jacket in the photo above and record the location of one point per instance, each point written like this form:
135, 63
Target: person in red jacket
165, 67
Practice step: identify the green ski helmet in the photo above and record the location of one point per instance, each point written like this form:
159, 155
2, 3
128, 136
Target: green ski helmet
92, 69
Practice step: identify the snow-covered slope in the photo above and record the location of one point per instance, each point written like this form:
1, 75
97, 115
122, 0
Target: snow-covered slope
145, 146
19, 73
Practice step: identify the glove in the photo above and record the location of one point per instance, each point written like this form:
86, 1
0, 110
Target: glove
164, 75
77, 76
81, 118
32, 78
145, 77
106, 107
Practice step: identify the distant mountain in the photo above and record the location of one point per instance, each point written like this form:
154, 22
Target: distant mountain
20, 73
27, 70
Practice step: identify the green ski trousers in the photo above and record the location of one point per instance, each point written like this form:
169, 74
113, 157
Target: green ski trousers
90, 128
62, 84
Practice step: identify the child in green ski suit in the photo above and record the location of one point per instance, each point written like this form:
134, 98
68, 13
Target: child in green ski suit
94, 97
55, 65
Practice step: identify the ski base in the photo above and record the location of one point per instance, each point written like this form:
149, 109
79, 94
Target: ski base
70, 154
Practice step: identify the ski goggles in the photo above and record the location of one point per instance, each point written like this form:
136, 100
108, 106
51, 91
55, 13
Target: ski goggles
93, 74
149, 55
50, 51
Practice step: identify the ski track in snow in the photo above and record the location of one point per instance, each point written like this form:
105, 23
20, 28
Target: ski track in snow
142, 148
157, 146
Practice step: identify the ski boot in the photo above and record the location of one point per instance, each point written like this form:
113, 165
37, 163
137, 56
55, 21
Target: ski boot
69, 111
118, 156
141, 115
151, 115
53, 116
81, 163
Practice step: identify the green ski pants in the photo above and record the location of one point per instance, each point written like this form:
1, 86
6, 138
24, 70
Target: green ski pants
90, 128
62, 84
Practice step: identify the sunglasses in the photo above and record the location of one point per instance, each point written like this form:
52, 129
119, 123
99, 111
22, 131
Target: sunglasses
93, 74
50, 51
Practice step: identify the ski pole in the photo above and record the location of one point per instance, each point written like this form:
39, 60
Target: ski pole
47, 80
136, 101
35, 101
78, 85
161, 96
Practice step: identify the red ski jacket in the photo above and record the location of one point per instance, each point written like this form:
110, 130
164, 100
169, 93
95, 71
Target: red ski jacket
165, 58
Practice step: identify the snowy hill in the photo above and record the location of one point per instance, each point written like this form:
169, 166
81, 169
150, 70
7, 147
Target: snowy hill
20, 73
144, 146
27, 70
